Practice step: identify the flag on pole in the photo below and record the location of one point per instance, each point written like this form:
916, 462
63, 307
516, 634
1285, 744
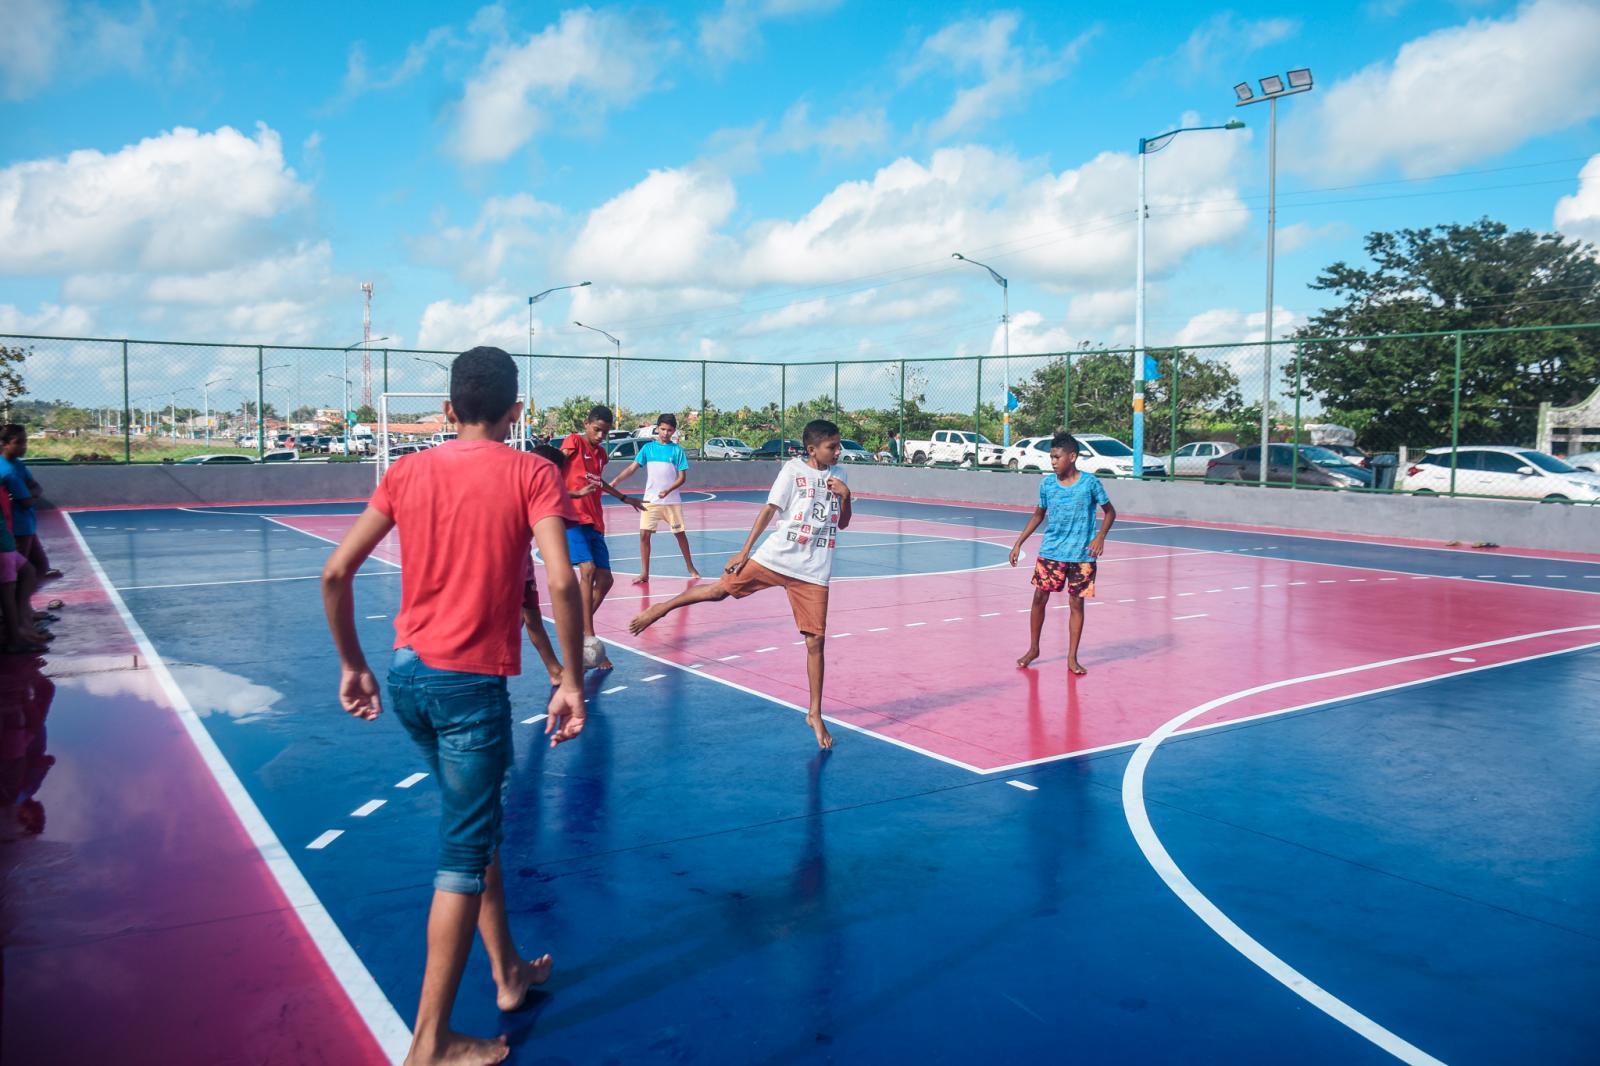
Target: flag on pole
1152, 369
1011, 401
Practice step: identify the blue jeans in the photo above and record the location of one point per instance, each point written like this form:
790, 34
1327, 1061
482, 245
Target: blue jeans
462, 723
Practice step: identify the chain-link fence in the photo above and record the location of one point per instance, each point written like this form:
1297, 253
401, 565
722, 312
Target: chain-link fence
1477, 412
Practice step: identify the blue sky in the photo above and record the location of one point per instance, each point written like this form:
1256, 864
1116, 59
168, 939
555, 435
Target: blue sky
751, 179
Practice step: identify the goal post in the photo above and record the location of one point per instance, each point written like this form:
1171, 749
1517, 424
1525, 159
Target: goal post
406, 418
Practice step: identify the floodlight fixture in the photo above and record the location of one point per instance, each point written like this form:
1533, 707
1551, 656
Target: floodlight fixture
1244, 92
1271, 85
1300, 78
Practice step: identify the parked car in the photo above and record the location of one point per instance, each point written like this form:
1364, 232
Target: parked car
215, 460
1105, 456
1493, 470
1314, 466
306, 442
1191, 459
728, 448
282, 455
624, 450
1353, 455
439, 438
397, 450
1029, 453
851, 451
324, 442
1585, 461
955, 446
779, 449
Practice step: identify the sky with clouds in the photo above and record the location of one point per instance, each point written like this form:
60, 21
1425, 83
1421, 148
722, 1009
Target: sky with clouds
752, 179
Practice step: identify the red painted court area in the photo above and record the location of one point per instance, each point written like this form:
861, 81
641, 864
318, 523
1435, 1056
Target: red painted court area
927, 660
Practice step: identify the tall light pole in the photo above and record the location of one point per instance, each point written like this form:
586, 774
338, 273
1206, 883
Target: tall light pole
366, 367
441, 366
618, 343
1272, 87
345, 414
1149, 146
206, 393
261, 412
527, 406
1005, 319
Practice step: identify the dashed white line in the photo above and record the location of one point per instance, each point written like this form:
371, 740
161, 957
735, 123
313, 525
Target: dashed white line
1186, 617
1023, 785
727, 658
878, 629
1240, 588
408, 782
1155, 597
535, 718
370, 617
991, 614
325, 839
913, 625
615, 689
653, 677
1327, 581
1269, 586
1213, 590
763, 651
1521, 575
957, 618
367, 808
1462, 659
1182, 594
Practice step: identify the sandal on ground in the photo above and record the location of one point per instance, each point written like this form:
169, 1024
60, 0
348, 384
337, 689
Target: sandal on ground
55, 605
52, 572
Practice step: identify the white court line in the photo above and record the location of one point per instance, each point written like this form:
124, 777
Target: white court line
1186, 617
413, 779
653, 677
1023, 785
328, 837
763, 651
612, 690
367, 808
1138, 818
535, 718
366, 997
248, 581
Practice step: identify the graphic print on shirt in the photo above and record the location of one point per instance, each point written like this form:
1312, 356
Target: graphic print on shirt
807, 529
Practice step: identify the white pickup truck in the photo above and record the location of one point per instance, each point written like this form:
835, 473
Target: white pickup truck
954, 446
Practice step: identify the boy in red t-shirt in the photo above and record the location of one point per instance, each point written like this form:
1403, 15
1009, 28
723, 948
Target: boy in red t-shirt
466, 512
586, 540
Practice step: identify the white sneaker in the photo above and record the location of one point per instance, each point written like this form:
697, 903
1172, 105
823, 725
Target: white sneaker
593, 652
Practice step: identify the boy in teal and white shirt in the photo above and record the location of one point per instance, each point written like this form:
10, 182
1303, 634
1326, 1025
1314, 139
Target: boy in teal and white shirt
666, 468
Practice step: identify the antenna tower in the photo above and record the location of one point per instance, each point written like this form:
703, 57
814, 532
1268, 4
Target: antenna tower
366, 342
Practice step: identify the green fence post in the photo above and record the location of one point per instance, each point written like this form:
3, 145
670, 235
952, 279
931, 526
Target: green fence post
1455, 419
1294, 455
608, 385
1172, 434
261, 412
783, 411
837, 410
902, 456
386, 370
1066, 392
127, 410
977, 415
705, 420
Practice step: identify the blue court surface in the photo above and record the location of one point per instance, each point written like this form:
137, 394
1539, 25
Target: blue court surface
714, 890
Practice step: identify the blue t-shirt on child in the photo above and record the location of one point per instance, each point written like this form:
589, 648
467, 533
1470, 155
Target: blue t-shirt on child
14, 479
1069, 522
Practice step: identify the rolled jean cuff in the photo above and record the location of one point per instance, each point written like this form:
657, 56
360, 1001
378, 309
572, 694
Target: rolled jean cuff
462, 884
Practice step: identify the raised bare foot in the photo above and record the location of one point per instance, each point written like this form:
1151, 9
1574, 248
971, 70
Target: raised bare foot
457, 1050
642, 579
511, 995
645, 619
1028, 657
820, 728
1072, 666
604, 663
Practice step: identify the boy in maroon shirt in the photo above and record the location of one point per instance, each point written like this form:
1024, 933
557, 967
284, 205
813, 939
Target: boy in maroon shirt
466, 512
586, 540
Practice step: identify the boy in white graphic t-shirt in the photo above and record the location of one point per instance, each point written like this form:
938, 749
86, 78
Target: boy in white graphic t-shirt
811, 502
666, 468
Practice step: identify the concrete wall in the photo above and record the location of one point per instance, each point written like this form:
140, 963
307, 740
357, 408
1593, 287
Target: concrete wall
1527, 525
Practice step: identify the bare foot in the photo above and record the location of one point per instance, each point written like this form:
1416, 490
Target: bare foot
1031, 654
645, 619
457, 1050
642, 579
1073, 667
820, 728
512, 994
694, 575
604, 663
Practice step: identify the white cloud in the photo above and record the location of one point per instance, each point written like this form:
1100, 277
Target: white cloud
1032, 333
34, 48
1007, 71
1226, 35
843, 134
868, 308
506, 226
492, 317
661, 231
1299, 235
1224, 325
1579, 214
588, 61
360, 79
1460, 94
52, 320
182, 200
734, 32
34, 31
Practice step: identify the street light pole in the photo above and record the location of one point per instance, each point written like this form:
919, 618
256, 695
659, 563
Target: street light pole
364, 344
1272, 87
1005, 319
618, 343
527, 406
206, 402
1149, 146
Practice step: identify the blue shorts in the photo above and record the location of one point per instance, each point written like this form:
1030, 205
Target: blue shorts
462, 723
586, 544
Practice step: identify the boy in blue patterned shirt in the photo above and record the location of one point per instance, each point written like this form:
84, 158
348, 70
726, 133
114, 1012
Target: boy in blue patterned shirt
1068, 498
666, 468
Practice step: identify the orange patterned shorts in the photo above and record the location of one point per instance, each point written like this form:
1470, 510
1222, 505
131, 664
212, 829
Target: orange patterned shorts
1050, 575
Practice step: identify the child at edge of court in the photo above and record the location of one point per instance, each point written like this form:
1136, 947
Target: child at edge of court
666, 468
586, 540
456, 642
18, 480
811, 502
532, 618
18, 634
1067, 558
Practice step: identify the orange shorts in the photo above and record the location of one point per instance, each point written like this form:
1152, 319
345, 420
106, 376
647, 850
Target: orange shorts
808, 602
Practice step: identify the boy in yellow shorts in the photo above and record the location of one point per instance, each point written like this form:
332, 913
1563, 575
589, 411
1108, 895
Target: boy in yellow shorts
666, 468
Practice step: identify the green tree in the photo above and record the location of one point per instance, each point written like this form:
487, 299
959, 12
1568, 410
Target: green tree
248, 409
304, 413
366, 413
11, 385
1401, 390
